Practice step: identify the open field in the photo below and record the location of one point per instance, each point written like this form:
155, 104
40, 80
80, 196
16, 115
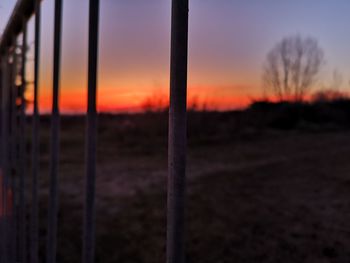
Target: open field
267, 196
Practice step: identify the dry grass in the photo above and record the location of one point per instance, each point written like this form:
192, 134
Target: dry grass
267, 197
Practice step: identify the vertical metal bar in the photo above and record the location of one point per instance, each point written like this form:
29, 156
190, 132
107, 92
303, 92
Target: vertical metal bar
2, 222
10, 179
53, 198
1, 160
91, 134
22, 152
1, 89
34, 237
5, 153
177, 132
13, 147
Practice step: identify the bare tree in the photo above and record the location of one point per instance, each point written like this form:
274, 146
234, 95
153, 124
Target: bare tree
292, 67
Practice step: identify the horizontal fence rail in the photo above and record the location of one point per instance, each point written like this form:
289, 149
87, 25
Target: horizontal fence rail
14, 178
23, 9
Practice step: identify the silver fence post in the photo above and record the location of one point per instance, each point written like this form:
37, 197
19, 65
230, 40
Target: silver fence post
13, 148
91, 131
34, 237
55, 123
5, 153
4, 80
22, 151
1, 159
177, 133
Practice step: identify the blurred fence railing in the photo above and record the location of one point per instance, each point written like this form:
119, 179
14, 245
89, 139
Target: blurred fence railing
17, 245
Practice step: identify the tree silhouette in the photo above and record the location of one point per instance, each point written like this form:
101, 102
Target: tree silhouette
291, 67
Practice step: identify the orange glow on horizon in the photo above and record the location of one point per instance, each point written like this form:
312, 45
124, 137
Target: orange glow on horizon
74, 100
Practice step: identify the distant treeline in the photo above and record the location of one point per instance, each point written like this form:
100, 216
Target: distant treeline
208, 126
317, 114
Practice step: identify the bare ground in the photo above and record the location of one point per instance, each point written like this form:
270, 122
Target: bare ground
274, 197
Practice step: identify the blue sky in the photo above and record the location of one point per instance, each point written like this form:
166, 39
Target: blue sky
229, 40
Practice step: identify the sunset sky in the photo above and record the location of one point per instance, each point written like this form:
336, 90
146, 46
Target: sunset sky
228, 43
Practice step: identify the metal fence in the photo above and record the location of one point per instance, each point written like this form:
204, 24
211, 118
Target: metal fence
14, 176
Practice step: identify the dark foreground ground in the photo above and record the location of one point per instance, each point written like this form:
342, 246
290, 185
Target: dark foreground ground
253, 196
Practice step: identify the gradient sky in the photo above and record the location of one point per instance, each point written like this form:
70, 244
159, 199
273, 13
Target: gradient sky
229, 40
